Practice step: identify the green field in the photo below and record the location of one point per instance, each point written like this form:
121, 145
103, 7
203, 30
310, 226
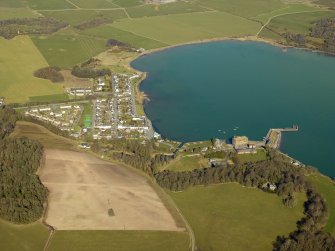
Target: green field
65, 49
231, 217
187, 163
74, 17
181, 28
49, 5
326, 187
127, 3
19, 58
119, 241
31, 237
137, 41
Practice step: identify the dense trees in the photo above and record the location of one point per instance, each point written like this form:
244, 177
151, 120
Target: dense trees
325, 29
22, 195
87, 72
51, 73
10, 28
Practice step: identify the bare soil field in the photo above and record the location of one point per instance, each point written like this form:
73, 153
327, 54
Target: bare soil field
86, 193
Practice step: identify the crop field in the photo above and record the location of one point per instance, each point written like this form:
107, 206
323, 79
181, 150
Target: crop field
181, 28
45, 137
7, 13
19, 58
187, 163
135, 40
326, 187
66, 49
120, 241
86, 193
164, 9
30, 237
74, 17
233, 217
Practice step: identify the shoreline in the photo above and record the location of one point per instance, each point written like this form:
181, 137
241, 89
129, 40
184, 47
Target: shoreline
253, 38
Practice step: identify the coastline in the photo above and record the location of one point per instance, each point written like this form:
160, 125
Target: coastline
145, 97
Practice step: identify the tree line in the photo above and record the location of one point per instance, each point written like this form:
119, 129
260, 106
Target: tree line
22, 195
51, 73
9, 28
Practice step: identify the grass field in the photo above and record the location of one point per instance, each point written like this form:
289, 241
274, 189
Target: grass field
7, 13
181, 28
45, 137
297, 23
31, 237
259, 156
187, 163
120, 241
50, 98
326, 188
65, 49
74, 17
19, 58
127, 3
86, 116
231, 217
108, 31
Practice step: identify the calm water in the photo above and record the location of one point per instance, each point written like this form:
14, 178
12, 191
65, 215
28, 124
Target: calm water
231, 88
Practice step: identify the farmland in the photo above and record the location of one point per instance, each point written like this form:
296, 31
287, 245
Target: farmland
120, 241
23, 237
19, 58
181, 28
66, 49
233, 217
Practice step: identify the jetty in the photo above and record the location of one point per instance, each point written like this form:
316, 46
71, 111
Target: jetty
273, 137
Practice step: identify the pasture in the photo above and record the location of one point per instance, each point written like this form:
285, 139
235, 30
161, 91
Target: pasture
181, 28
232, 217
326, 187
259, 156
67, 48
120, 241
30, 237
19, 58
